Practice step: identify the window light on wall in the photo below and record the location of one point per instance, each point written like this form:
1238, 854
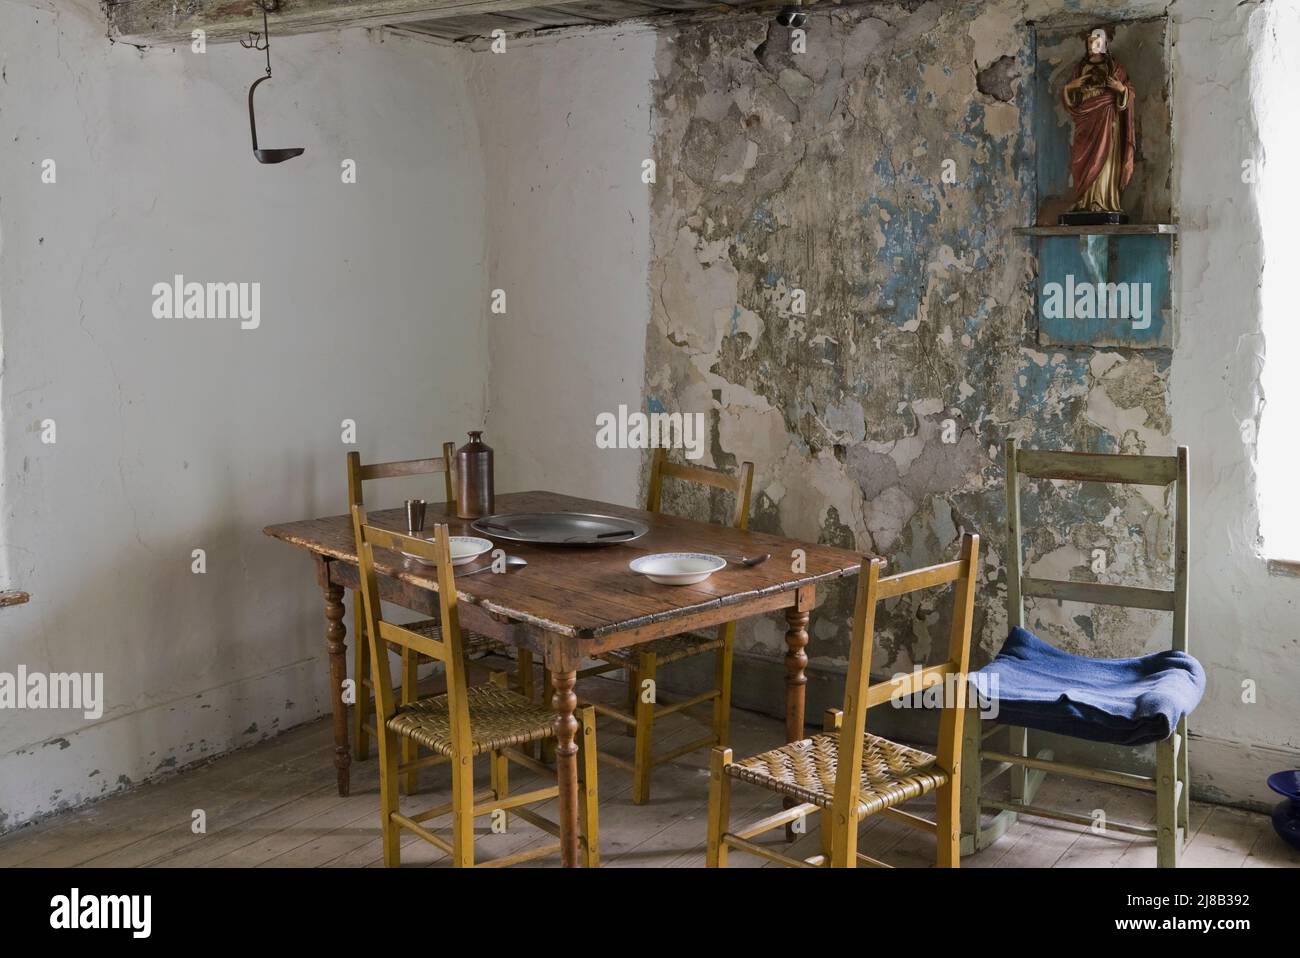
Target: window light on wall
1278, 451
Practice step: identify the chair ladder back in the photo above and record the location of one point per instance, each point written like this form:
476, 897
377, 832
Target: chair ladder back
963, 574
739, 485
860, 694
382, 680
655, 490
848, 788
1097, 467
953, 718
1015, 600
358, 474
1182, 545
457, 684
1112, 469
380, 632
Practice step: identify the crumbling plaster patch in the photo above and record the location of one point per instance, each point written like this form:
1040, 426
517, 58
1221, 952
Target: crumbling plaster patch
876, 416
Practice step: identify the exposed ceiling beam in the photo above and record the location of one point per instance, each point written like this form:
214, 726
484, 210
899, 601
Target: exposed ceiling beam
163, 22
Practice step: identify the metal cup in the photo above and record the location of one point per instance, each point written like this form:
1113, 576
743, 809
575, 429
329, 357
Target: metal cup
415, 515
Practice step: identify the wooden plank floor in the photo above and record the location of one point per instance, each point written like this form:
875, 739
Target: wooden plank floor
275, 805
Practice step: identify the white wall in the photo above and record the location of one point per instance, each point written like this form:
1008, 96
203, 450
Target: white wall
174, 435
565, 125
1243, 620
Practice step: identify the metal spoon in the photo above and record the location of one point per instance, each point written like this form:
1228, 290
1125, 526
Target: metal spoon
749, 561
512, 562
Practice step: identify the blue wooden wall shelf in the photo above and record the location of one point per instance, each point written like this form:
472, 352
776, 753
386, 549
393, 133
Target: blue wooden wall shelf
1127, 229
1135, 254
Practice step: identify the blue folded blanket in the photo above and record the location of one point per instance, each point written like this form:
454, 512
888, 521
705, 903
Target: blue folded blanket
1123, 701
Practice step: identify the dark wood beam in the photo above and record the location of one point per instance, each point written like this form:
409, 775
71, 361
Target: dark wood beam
163, 22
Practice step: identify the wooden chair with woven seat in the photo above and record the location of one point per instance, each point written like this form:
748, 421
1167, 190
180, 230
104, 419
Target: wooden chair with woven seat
846, 773
461, 724
476, 644
642, 662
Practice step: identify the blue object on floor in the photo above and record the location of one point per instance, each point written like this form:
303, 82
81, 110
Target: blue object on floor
1121, 701
1286, 815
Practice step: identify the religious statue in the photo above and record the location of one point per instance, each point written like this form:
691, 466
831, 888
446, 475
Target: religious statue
1102, 103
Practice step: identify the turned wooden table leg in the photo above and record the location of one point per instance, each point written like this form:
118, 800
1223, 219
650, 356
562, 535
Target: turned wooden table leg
335, 644
564, 702
796, 681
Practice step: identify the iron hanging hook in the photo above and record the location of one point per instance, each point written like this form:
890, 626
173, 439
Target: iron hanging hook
255, 41
265, 155
262, 41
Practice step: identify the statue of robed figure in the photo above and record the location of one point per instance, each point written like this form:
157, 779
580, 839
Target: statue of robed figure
1101, 102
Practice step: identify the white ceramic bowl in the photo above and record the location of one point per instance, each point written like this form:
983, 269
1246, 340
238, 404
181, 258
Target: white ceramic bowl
677, 568
464, 550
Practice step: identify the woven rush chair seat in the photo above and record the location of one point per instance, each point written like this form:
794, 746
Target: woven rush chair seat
498, 718
805, 770
671, 648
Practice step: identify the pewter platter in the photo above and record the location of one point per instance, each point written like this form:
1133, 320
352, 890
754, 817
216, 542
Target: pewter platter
561, 528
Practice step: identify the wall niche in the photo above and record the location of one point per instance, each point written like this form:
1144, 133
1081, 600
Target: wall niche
1104, 286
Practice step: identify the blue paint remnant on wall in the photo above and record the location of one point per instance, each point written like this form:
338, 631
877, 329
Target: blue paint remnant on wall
1053, 422
1051, 136
905, 231
764, 219
653, 404
976, 320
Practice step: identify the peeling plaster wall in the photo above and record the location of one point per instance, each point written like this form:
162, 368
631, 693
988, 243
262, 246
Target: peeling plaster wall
564, 132
174, 434
821, 172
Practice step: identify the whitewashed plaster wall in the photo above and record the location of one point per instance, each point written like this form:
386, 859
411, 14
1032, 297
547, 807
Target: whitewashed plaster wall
1243, 620
564, 126
174, 435
528, 181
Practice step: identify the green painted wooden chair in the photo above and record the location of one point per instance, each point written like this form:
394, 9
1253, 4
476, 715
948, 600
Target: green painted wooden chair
1170, 784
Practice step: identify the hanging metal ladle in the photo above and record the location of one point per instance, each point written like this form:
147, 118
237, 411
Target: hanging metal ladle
263, 42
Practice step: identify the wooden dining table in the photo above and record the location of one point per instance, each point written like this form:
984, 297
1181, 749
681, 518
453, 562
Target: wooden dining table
573, 602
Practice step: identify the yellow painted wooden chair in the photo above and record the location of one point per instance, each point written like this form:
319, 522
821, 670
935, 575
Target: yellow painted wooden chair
475, 643
642, 662
1171, 782
459, 725
846, 773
